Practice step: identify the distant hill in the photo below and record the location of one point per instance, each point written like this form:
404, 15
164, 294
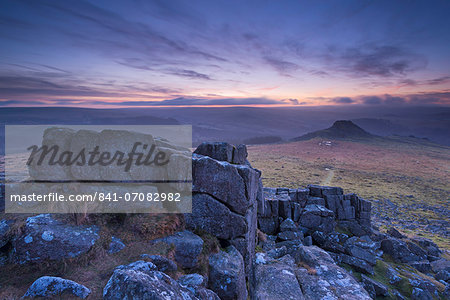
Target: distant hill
342, 129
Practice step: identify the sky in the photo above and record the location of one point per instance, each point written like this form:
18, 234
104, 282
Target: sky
224, 53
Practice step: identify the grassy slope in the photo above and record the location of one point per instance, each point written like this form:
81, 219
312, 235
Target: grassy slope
405, 171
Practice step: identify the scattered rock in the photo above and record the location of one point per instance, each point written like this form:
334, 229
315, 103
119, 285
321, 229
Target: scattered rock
421, 266
419, 294
358, 264
441, 264
393, 275
46, 238
49, 286
392, 231
326, 241
443, 275
374, 288
398, 250
288, 225
277, 252
116, 245
290, 236
196, 283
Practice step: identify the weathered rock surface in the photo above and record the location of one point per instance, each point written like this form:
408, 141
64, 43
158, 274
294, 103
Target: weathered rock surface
220, 180
226, 190
139, 266
276, 281
362, 249
131, 284
227, 274
326, 280
317, 217
215, 218
49, 286
46, 238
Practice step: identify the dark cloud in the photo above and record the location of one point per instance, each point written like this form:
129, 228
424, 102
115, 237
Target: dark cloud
110, 33
412, 99
381, 61
21, 102
292, 101
168, 102
392, 100
439, 80
372, 100
190, 74
434, 81
40, 86
282, 66
223, 101
342, 100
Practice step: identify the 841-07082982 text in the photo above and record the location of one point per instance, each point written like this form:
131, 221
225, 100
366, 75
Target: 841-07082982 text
98, 196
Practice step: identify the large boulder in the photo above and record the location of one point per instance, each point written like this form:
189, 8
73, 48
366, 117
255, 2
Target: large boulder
323, 279
116, 245
132, 284
227, 274
188, 247
362, 249
275, 281
49, 287
398, 250
220, 180
46, 238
